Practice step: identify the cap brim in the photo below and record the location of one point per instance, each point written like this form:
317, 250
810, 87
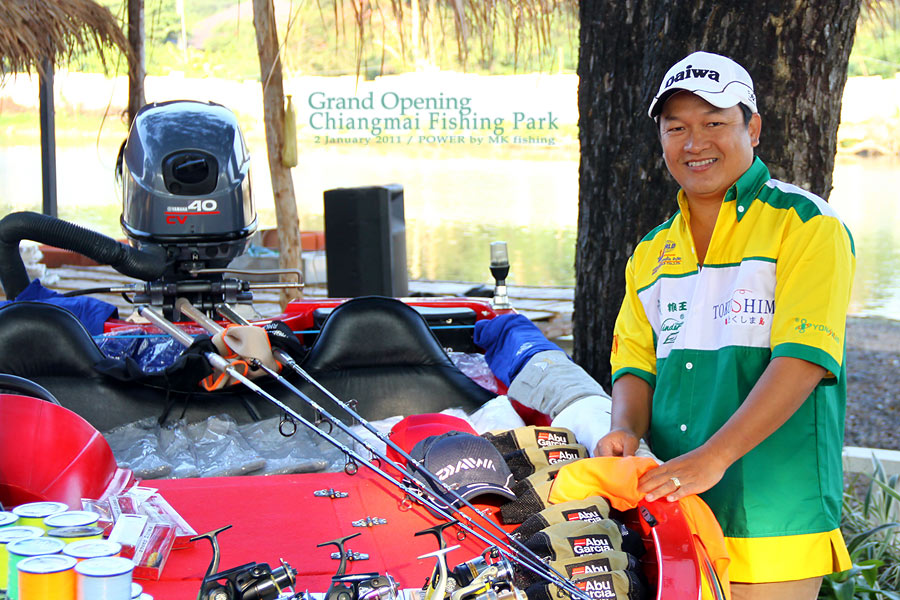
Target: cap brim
475, 490
719, 99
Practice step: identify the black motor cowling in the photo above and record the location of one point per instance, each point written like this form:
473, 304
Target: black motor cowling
185, 174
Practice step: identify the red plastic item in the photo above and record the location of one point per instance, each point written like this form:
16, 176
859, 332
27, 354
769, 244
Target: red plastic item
278, 517
48, 452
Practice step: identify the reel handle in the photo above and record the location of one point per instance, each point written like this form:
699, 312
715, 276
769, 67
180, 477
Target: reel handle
438, 531
212, 536
339, 542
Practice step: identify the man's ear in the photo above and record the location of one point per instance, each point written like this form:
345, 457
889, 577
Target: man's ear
753, 128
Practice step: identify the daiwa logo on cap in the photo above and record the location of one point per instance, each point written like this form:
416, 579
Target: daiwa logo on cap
689, 71
463, 465
589, 516
555, 456
590, 544
597, 565
715, 78
550, 438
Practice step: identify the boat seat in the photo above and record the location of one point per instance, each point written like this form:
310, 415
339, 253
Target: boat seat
381, 353
48, 345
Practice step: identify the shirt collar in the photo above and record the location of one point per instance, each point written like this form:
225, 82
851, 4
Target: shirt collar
746, 188
743, 191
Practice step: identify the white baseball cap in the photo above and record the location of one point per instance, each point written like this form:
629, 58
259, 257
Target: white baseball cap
717, 79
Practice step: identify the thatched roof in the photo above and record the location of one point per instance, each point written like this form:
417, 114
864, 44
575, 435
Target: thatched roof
32, 30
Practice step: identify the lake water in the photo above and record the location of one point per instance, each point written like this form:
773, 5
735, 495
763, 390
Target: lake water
456, 206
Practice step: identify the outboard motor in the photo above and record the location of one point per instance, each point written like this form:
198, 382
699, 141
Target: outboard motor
187, 211
185, 173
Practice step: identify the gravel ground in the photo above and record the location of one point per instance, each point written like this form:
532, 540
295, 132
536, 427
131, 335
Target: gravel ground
873, 383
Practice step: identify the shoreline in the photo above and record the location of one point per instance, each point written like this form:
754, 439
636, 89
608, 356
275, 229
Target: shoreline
873, 387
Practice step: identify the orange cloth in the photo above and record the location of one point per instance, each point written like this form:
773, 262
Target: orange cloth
616, 479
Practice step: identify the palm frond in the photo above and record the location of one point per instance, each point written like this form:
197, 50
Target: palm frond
32, 31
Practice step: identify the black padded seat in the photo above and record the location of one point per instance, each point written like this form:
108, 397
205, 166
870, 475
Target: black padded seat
381, 353
48, 345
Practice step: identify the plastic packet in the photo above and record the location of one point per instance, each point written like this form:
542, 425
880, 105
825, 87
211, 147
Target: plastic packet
221, 450
178, 450
147, 543
294, 454
136, 447
148, 502
497, 413
476, 368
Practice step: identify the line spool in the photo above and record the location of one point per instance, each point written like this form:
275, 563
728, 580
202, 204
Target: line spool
33, 513
50, 577
103, 579
86, 549
22, 549
8, 519
7, 536
76, 534
71, 518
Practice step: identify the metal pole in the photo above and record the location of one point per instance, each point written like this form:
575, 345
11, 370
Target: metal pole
48, 138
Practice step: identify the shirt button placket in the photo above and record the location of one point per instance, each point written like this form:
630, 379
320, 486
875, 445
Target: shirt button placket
687, 409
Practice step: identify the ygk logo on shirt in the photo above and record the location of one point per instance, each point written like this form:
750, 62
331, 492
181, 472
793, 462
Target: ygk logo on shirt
590, 544
551, 438
744, 308
598, 565
591, 515
803, 326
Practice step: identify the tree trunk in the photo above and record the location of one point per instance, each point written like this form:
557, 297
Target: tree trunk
286, 216
136, 70
795, 50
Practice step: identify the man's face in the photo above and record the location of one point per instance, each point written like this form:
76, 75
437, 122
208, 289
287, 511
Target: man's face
706, 148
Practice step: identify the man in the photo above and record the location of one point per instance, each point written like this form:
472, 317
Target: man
728, 349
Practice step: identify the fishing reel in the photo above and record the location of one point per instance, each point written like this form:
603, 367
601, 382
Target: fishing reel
485, 577
362, 586
252, 581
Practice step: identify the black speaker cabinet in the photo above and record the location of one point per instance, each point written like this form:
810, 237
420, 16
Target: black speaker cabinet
365, 242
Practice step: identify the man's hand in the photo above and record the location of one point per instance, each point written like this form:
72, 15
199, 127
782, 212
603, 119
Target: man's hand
618, 442
691, 473
785, 384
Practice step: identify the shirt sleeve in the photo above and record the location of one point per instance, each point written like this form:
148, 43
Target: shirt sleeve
634, 344
814, 274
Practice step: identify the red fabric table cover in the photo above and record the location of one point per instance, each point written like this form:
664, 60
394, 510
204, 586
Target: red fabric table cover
278, 517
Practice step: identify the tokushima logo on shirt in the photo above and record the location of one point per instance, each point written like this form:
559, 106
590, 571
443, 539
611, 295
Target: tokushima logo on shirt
744, 307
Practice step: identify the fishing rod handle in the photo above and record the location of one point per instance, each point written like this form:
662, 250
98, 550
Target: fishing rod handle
179, 335
186, 308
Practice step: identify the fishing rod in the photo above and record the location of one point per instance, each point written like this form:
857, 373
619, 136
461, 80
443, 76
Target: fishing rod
419, 492
546, 571
533, 562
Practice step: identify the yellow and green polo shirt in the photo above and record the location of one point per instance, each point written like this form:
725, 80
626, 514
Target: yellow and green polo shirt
775, 282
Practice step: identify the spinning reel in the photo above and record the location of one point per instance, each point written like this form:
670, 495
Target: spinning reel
485, 577
362, 586
252, 581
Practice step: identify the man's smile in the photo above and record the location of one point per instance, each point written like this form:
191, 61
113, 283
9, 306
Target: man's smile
701, 163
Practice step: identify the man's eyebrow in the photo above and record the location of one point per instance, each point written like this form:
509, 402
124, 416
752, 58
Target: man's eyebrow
715, 110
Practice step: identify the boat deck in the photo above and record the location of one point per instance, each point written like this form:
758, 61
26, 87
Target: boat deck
550, 308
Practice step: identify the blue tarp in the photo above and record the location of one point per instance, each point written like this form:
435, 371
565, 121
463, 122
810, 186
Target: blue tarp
90, 311
508, 342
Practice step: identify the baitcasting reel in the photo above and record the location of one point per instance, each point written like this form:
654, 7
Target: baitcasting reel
252, 581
